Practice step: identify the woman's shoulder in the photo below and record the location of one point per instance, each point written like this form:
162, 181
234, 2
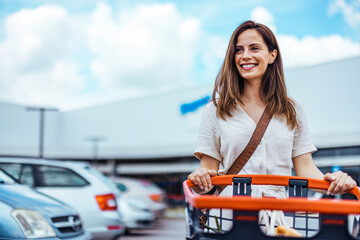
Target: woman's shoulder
298, 108
209, 110
297, 105
210, 106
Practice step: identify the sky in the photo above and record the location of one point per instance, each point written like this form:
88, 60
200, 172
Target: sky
73, 54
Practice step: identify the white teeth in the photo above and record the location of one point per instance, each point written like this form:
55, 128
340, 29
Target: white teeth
248, 65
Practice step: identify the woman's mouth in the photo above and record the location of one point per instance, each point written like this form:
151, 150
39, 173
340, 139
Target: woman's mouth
248, 66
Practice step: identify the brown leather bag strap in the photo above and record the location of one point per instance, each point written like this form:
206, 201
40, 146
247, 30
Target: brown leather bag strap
250, 147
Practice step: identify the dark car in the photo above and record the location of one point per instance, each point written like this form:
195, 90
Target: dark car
26, 213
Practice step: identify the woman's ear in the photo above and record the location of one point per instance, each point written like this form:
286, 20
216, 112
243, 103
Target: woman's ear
273, 56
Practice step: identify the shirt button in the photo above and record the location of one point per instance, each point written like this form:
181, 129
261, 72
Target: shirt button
261, 166
261, 141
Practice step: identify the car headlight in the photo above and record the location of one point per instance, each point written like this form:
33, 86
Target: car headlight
137, 206
134, 206
33, 224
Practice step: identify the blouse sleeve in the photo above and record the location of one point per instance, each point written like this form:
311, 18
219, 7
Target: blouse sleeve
208, 140
302, 140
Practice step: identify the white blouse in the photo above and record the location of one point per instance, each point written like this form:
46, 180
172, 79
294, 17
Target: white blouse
225, 140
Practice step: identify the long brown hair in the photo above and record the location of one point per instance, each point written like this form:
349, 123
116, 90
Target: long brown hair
229, 85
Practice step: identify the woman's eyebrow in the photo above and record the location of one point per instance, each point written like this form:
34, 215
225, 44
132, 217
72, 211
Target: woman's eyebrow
255, 44
251, 45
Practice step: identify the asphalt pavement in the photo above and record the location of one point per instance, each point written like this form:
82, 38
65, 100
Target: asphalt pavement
171, 227
165, 229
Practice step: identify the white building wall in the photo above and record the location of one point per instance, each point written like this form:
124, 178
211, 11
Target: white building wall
141, 128
154, 126
330, 94
20, 130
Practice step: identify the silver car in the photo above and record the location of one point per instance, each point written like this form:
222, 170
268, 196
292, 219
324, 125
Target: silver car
136, 213
144, 190
26, 213
77, 184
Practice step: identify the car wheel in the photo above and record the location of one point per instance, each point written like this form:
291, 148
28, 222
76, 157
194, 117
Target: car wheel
127, 231
117, 237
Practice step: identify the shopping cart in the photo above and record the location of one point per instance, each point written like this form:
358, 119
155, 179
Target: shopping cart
313, 218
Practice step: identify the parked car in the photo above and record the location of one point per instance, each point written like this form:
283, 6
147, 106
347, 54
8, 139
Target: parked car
143, 189
26, 213
77, 184
136, 213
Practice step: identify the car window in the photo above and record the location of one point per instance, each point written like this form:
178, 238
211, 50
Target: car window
4, 177
20, 172
60, 177
121, 187
103, 178
149, 185
27, 176
14, 169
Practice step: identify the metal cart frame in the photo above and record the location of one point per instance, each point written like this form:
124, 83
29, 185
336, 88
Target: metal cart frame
333, 213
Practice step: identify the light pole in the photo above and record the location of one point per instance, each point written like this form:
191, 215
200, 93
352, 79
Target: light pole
42, 111
95, 147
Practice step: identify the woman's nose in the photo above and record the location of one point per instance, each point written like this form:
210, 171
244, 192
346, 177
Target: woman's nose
246, 54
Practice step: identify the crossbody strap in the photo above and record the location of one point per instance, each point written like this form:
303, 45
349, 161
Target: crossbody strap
250, 147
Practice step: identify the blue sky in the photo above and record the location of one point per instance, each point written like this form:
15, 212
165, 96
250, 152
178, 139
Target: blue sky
70, 54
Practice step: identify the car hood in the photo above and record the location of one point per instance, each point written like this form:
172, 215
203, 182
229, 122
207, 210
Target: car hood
21, 196
138, 202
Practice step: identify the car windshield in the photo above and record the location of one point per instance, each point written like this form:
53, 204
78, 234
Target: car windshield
5, 178
149, 185
103, 178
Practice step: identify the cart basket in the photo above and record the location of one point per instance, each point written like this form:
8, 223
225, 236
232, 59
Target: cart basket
313, 218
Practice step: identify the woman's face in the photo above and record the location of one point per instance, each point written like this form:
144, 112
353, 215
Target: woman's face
252, 56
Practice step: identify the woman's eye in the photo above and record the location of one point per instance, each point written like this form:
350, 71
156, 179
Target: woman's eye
238, 50
255, 48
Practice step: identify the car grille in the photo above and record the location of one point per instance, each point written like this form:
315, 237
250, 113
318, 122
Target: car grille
145, 222
68, 224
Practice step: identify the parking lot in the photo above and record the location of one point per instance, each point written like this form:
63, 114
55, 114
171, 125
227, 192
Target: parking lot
107, 207
165, 229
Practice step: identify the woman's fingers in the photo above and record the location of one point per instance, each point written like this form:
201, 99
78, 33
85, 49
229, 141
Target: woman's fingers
347, 184
338, 189
332, 178
207, 182
340, 183
192, 178
329, 176
195, 178
201, 178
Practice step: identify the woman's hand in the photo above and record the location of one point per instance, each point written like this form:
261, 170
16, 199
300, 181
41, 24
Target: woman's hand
201, 178
340, 182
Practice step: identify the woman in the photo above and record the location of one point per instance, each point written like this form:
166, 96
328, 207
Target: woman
251, 78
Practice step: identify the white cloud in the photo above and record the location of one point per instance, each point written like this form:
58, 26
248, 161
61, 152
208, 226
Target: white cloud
213, 53
351, 11
150, 47
36, 57
130, 53
261, 15
308, 50
49, 54
311, 50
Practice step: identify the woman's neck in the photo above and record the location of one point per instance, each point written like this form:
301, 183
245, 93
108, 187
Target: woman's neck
251, 92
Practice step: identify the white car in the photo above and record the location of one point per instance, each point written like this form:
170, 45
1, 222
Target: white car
145, 190
136, 213
78, 185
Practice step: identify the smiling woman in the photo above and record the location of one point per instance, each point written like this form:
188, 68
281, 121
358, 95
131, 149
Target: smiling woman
249, 88
252, 55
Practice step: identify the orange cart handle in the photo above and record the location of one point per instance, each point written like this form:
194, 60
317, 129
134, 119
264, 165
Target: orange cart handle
330, 206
